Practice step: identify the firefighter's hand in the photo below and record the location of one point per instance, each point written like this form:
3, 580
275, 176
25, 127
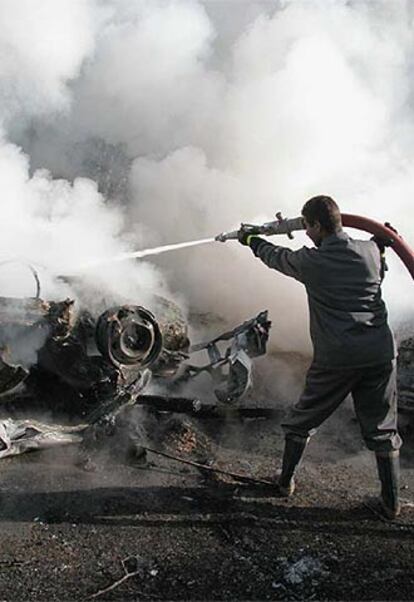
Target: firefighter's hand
245, 234
383, 242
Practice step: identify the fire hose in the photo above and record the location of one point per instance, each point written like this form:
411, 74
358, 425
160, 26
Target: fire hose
380, 231
397, 243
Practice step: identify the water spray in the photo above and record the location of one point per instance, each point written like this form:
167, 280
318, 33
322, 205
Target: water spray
145, 253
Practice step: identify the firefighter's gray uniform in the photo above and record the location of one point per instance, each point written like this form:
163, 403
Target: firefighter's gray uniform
354, 349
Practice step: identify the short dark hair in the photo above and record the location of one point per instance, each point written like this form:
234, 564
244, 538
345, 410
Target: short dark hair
324, 210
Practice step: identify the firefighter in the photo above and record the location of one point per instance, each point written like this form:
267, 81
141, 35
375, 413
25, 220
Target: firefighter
354, 349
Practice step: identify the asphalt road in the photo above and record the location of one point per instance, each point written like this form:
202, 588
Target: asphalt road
164, 532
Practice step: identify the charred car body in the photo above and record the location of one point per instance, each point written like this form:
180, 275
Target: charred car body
84, 367
44, 343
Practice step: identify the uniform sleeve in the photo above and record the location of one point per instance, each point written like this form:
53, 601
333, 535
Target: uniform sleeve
284, 260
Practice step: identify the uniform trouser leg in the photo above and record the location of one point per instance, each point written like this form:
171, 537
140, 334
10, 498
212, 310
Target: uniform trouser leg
324, 391
375, 401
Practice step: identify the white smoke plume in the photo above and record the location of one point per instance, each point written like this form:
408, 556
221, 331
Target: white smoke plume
193, 116
42, 47
47, 221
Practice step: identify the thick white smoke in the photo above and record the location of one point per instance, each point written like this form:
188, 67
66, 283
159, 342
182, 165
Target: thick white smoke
42, 47
52, 223
194, 116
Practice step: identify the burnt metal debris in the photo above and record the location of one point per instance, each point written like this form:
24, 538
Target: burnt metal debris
20, 436
92, 368
231, 369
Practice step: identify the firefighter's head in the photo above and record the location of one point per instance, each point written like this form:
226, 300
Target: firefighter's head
321, 217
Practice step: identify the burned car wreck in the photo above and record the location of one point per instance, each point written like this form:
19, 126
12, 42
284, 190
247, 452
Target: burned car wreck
87, 370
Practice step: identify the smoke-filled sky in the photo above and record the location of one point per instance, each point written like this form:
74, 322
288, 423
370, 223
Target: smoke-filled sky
132, 123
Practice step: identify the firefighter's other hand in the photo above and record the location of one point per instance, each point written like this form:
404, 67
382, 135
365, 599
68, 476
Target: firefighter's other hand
383, 242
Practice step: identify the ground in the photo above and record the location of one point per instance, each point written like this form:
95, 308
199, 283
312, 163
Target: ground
69, 534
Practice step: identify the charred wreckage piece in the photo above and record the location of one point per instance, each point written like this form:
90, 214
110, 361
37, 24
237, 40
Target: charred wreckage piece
231, 370
79, 366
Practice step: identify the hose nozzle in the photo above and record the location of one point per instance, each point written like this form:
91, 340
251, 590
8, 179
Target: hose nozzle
224, 236
280, 226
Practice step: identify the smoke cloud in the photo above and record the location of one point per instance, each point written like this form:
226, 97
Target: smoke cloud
42, 48
129, 124
49, 222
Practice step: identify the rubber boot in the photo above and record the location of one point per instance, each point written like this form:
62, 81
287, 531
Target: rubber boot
388, 464
292, 455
